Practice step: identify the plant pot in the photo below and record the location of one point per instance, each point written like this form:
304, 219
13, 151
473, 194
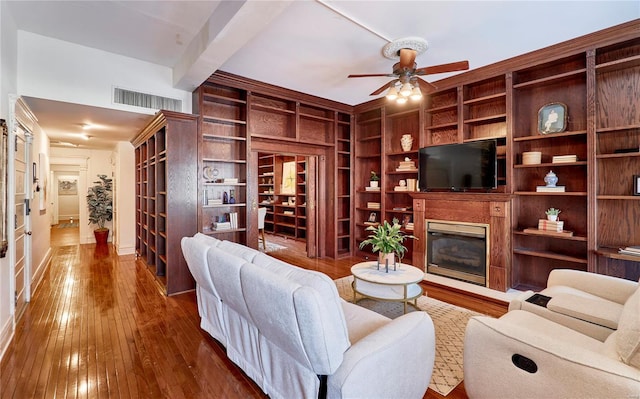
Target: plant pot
101, 235
373, 183
552, 218
382, 258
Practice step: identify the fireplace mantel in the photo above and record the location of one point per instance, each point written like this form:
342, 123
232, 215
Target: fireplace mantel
492, 209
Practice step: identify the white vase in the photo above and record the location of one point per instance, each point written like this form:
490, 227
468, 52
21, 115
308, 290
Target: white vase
552, 218
406, 142
373, 183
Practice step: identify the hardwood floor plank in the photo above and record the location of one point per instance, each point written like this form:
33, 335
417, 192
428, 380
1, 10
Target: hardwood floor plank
98, 327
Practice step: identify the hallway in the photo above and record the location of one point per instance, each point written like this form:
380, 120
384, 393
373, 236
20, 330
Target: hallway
62, 234
99, 327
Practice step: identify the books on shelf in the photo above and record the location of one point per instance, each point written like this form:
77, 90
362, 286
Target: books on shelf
372, 188
222, 225
549, 225
409, 226
633, 250
401, 188
230, 180
409, 166
233, 219
561, 233
564, 158
373, 205
545, 189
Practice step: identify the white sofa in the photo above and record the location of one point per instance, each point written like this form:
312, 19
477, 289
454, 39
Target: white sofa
289, 330
586, 302
524, 355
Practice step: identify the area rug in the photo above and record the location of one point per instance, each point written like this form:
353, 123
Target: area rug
67, 225
449, 321
271, 247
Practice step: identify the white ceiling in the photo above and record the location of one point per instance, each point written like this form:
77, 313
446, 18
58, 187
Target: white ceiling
309, 46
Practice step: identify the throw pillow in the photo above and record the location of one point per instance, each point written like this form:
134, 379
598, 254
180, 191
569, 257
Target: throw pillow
628, 337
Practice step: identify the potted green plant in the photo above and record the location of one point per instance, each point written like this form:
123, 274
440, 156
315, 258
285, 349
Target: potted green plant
552, 214
388, 239
373, 179
100, 204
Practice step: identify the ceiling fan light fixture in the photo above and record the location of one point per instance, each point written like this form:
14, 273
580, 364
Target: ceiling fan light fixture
392, 94
401, 100
406, 89
416, 94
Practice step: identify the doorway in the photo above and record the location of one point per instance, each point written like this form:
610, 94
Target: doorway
286, 188
65, 205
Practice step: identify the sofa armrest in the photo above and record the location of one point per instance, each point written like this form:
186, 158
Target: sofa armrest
562, 369
516, 303
395, 360
611, 288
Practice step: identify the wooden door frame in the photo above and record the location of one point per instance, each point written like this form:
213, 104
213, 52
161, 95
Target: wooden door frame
322, 202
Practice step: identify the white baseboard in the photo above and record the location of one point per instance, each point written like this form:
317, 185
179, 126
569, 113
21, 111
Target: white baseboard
38, 274
6, 335
122, 251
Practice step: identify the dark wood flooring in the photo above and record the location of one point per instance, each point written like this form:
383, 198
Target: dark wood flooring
98, 327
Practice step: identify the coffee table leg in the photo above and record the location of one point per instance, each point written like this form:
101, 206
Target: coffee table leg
353, 288
405, 299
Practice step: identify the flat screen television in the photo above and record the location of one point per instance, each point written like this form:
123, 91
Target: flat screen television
458, 167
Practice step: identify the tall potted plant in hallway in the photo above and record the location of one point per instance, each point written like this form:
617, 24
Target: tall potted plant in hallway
100, 204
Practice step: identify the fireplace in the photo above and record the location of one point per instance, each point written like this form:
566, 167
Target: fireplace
458, 250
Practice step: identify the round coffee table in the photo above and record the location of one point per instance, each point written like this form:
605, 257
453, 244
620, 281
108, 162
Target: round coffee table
400, 285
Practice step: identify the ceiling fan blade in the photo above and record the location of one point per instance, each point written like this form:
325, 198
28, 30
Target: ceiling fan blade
425, 86
370, 75
383, 88
407, 57
454, 66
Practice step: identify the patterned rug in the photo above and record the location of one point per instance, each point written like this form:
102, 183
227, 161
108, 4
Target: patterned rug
449, 321
271, 247
67, 225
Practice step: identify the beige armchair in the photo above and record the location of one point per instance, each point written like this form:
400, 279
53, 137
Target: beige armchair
523, 355
589, 303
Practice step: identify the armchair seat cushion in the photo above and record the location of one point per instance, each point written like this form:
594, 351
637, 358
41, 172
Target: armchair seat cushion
594, 310
628, 334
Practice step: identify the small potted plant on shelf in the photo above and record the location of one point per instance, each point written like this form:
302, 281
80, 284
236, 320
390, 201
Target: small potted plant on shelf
387, 239
552, 214
100, 204
373, 179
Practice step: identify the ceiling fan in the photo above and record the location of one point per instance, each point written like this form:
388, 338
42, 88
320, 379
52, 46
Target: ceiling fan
407, 82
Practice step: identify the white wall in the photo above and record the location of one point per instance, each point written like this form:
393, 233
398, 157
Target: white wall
68, 204
62, 71
8, 84
94, 163
40, 219
125, 203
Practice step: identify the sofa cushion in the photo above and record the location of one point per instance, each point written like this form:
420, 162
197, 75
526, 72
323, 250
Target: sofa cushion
239, 250
207, 239
628, 334
361, 321
297, 318
594, 310
194, 250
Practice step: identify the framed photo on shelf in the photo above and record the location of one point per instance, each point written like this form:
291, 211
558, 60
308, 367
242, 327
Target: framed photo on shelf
552, 118
636, 184
372, 217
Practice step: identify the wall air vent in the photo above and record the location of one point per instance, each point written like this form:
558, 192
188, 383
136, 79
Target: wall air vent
129, 97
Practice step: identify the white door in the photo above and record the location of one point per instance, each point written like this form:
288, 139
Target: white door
22, 235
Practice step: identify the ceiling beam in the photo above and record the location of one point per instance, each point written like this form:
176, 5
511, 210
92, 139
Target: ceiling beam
231, 25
